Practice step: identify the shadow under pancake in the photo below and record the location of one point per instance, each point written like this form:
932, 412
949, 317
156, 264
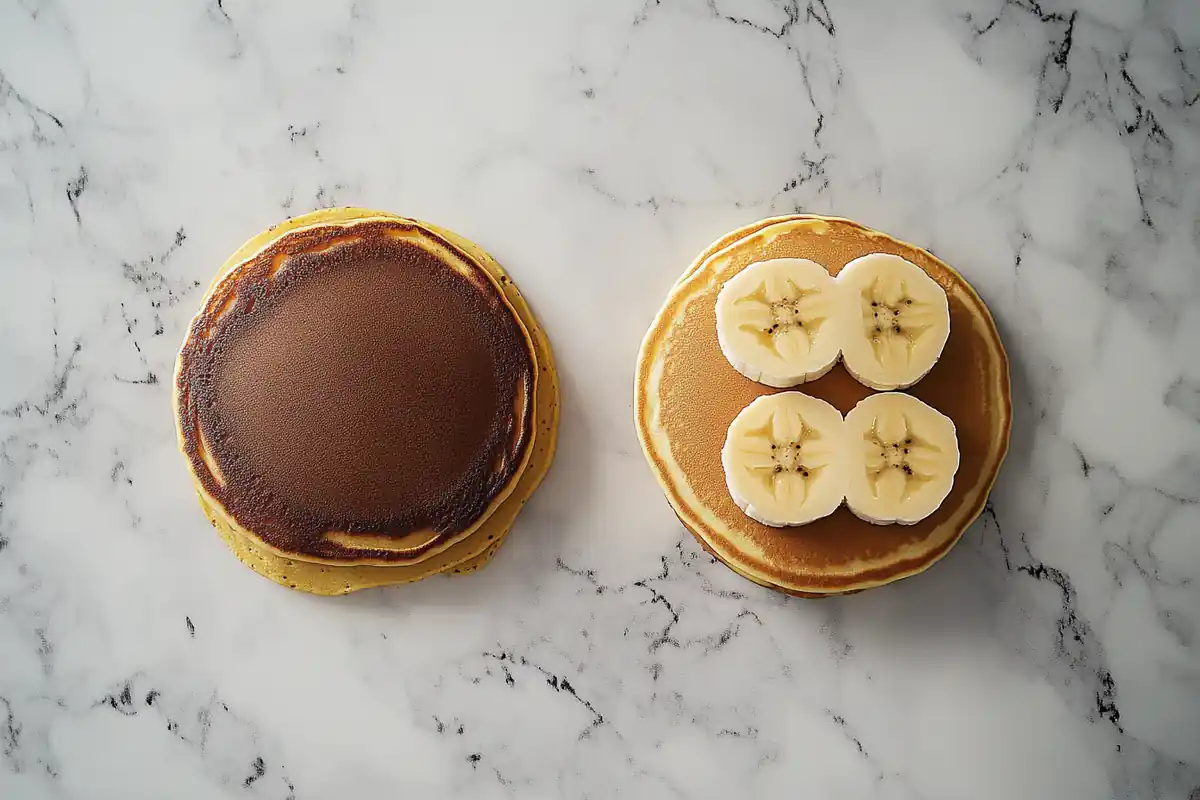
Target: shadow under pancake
955, 597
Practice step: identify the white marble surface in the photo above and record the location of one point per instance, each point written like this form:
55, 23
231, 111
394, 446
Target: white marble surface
1051, 152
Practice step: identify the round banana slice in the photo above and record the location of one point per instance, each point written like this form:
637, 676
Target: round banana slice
903, 456
785, 459
775, 321
895, 321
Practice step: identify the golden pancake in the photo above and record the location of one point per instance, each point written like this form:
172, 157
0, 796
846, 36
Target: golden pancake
686, 394
461, 552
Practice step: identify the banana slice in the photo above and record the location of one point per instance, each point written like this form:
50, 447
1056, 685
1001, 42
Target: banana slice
785, 459
903, 457
775, 321
895, 321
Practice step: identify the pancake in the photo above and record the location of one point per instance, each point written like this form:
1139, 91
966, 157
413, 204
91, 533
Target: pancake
381, 545
463, 557
686, 394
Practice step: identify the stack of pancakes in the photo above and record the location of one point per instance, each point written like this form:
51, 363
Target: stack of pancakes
686, 394
364, 399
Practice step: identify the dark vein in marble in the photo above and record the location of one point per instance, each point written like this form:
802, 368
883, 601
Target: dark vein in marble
555, 682
61, 376
212, 729
589, 575
146, 276
32, 110
12, 729
1076, 644
258, 768
75, 190
790, 8
664, 637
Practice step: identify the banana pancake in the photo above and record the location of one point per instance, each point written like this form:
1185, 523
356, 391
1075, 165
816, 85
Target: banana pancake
687, 394
360, 389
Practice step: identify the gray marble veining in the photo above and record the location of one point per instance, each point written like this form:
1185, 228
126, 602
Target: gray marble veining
1049, 150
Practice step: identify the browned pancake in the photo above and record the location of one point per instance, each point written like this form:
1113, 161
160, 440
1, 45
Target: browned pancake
357, 393
687, 394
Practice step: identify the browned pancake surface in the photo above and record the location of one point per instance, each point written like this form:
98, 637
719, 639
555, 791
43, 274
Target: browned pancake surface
353, 383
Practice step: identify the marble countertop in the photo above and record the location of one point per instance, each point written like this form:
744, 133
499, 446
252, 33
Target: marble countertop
1050, 151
